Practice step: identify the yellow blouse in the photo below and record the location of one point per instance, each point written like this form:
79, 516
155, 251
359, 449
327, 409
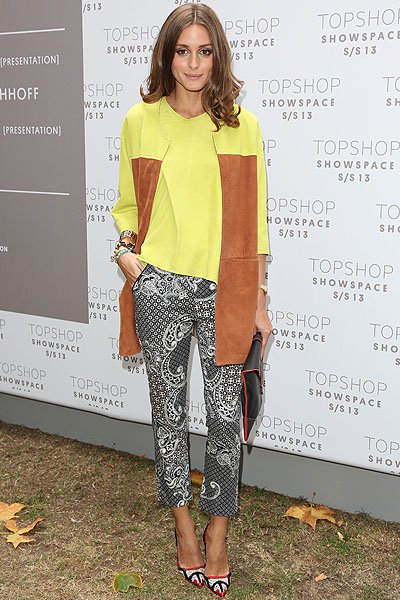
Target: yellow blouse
184, 234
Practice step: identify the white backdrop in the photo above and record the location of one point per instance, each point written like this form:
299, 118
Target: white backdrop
325, 85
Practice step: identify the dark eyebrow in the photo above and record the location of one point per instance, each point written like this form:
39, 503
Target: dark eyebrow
186, 46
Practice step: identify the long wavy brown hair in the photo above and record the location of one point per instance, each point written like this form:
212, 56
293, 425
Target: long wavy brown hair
222, 88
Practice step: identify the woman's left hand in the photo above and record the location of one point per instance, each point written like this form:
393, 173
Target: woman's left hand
262, 323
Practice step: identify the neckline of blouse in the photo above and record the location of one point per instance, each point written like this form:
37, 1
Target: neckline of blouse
180, 117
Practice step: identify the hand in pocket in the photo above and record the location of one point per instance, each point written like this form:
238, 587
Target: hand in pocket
131, 267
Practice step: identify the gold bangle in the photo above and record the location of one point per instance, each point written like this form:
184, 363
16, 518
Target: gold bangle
263, 287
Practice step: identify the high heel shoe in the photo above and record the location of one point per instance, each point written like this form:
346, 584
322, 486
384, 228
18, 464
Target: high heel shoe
218, 584
194, 575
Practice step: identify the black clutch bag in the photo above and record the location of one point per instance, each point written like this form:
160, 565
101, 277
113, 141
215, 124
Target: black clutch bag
251, 392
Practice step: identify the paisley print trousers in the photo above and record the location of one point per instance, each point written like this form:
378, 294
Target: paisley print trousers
167, 306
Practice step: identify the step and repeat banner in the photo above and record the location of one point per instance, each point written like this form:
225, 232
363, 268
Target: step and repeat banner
324, 82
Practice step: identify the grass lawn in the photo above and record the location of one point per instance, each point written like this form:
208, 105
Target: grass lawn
102, 516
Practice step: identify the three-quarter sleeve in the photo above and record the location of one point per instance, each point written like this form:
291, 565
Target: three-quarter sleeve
263, 238
124, 211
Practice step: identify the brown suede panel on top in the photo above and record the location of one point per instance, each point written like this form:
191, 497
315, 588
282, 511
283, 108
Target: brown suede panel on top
239, 205
236, 298
146, 172
235, 309
145, 177
128, 341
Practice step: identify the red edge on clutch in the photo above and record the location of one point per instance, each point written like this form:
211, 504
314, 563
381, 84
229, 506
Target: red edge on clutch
246, 401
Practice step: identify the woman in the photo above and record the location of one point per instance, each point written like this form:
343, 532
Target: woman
192, 216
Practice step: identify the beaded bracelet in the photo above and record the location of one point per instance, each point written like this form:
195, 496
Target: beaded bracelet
119, 254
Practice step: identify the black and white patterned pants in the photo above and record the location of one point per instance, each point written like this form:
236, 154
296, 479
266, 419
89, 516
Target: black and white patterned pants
167, 305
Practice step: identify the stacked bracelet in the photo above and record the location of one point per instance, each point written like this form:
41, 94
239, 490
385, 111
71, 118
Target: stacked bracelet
119, 254
128, 233
122, 246
125, 245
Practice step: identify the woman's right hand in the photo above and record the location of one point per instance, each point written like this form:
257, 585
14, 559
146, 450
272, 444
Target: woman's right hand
131, 266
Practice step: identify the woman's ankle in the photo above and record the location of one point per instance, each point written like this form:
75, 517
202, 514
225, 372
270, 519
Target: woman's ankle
217, 527
183, 520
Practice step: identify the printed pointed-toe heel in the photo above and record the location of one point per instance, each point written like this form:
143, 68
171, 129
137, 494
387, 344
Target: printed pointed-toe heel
194, 575
218, 584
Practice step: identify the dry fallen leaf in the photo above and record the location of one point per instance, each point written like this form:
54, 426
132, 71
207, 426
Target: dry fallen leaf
8, 511
196, 477
340, 536
16, 539
311, 514
320, 577
12, 526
